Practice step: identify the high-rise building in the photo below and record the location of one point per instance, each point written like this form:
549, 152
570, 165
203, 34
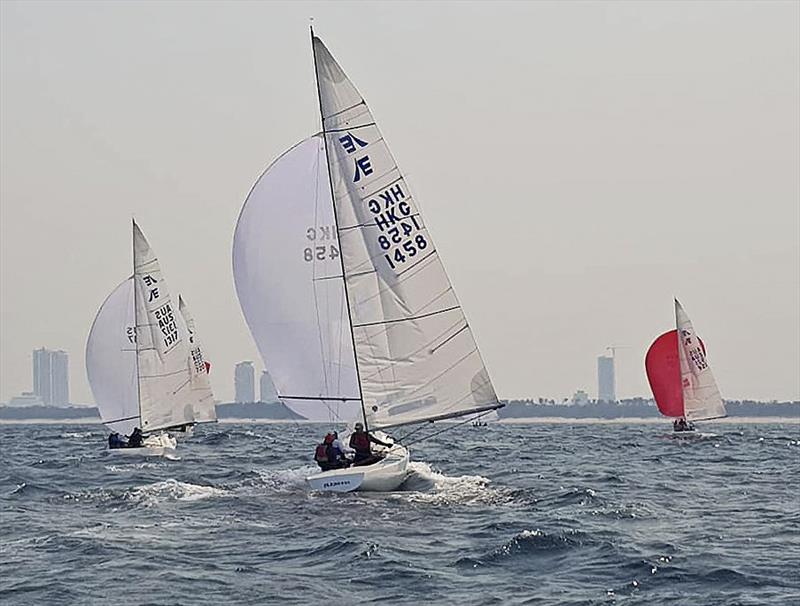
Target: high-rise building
59, 373
245, 382
606, 385
267, 391
51, 376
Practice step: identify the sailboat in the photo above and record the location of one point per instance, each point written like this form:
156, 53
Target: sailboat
681, 379
344, 292
139, 363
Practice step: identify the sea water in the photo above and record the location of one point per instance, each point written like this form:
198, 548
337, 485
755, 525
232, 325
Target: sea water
506, 514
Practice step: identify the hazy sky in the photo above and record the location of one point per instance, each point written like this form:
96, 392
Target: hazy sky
578, 165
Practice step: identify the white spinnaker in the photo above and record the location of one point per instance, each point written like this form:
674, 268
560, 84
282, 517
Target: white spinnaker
204, 409
111, 361
417, 357
701, 397
165, 393
288, 280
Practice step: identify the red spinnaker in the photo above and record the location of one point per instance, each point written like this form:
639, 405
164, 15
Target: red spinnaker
664, 373
663, 366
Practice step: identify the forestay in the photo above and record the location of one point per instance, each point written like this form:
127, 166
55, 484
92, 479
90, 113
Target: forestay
417, 358
111, 361
287, 273
701, 397
165, 393
203, 397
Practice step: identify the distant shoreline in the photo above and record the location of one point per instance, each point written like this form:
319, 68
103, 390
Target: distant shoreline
505, 421
640, 421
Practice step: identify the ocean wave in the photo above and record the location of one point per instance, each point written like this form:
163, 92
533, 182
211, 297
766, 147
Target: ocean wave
173, 490
78, 435
529, 542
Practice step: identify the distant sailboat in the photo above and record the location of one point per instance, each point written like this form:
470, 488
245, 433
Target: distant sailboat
680, 376
344, 292
138, 359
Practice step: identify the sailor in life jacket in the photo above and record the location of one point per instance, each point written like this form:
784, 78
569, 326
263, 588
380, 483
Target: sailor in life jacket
321, 453
360, 442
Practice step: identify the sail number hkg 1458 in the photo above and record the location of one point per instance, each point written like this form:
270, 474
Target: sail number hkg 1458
401, 237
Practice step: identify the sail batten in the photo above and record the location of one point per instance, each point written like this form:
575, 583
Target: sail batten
391, 266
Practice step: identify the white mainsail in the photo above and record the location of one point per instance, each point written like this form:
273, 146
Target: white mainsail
204, 409
701, 397
417, 359
288, 279
166, 398
111, 361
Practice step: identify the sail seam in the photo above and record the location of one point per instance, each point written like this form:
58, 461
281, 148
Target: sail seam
321, 398
406, 277
344, 130
120, 420
436, 338
451, 337
408, 319
339, 113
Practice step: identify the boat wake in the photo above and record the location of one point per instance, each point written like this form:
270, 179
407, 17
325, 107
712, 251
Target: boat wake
148, 495
286, 480
425, 485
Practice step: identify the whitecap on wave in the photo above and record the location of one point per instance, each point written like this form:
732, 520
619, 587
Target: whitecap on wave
77, 434
173, 490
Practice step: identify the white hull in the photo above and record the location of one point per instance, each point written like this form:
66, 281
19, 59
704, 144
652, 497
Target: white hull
154, 446
692, 435
384, 476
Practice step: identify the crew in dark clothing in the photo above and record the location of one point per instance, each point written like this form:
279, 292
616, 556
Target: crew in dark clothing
360, 441
135, 440
115, 441
682, 425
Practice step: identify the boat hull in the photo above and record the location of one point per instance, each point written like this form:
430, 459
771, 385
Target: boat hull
153, 446
384, 476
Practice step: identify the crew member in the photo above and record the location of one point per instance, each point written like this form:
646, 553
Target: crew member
361, 441
135, 440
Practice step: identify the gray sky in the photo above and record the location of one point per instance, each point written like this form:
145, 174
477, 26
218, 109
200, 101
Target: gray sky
578, 164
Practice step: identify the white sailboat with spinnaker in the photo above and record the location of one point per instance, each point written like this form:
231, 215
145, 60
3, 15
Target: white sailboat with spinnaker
681, 378
344, 292
139, 362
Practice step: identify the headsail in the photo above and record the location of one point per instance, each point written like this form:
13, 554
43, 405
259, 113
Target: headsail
288, 279
417, 359
111, 361
701, 397
165, 394
204, 409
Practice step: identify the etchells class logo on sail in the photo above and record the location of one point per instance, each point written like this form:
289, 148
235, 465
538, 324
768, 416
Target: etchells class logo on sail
400, 236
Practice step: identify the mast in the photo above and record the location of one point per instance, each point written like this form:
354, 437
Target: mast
136, 324
338, 233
